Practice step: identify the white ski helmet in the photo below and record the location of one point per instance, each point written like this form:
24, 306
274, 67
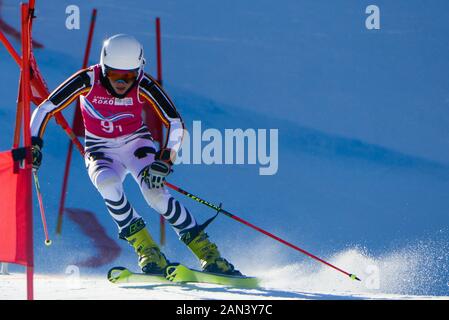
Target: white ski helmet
122, 52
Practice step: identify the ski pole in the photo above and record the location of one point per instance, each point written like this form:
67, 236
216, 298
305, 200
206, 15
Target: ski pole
41, 207
219, 209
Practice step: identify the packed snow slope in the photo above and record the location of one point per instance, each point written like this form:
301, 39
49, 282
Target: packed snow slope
363, 120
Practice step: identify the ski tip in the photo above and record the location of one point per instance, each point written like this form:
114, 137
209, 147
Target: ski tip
354, 277
116, 273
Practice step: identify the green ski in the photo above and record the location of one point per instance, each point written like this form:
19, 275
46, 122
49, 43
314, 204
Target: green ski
123, 275
181, 274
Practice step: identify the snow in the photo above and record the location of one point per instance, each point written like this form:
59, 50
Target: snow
363, 125
88, 288
400, 274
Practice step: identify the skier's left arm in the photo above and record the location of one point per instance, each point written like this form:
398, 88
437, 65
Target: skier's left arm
156, 97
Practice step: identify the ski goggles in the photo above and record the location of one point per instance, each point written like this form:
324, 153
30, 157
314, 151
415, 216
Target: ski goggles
124, 75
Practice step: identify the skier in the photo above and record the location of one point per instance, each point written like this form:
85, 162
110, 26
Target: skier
117, 142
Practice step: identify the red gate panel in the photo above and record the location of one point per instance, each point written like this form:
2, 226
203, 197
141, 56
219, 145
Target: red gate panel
15, 212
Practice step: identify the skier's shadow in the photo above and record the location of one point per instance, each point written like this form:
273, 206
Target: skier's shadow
257, 292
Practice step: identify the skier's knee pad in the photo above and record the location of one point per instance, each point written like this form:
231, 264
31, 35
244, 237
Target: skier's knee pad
157, 199
109, 185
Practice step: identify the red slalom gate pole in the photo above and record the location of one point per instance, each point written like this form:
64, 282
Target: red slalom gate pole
10, 48
159, 50
219, 209
162, 239
64, 188
26, 17
70, 148
61, 121
89, 37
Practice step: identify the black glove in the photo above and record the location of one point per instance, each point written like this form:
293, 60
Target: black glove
36, 147
157, 172
154, 175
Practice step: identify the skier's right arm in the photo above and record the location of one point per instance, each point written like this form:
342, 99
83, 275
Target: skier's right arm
58, 100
